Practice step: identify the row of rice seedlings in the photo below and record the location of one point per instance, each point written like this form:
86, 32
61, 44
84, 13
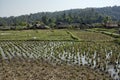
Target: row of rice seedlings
95, 55
73, 51
102, 56
29, 51
19, 52
2, 53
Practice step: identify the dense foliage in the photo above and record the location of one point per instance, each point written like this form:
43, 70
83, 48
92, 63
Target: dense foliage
81, 16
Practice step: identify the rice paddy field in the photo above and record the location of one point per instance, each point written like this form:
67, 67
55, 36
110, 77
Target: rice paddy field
35, 35
58, 55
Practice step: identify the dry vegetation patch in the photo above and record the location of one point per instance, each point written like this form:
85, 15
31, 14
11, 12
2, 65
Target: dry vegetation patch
41, 70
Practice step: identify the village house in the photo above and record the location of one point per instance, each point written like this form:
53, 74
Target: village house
61, 25
111, 25
40, 26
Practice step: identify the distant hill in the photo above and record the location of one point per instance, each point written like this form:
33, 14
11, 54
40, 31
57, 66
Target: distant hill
86, 16
114, 12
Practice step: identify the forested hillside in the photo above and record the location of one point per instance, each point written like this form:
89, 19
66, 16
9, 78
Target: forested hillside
114, 12
86, 16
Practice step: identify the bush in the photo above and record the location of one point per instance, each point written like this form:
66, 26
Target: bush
117, 41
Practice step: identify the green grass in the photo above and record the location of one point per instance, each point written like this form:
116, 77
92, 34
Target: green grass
91, 36
35, 35
117, 40
73, 36
61, 35
110, 32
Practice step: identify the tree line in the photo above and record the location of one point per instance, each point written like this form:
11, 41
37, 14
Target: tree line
81, 16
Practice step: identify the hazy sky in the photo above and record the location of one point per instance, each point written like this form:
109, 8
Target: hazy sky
20, 7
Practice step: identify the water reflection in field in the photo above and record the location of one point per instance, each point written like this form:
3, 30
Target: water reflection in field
103, 57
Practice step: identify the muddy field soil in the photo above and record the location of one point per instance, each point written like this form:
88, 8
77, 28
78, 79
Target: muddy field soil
42, 70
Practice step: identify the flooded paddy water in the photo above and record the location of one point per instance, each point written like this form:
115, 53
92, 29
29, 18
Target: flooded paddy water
99, 56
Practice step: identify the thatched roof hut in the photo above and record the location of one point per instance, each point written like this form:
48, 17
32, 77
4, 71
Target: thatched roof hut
111, 25
40, 26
